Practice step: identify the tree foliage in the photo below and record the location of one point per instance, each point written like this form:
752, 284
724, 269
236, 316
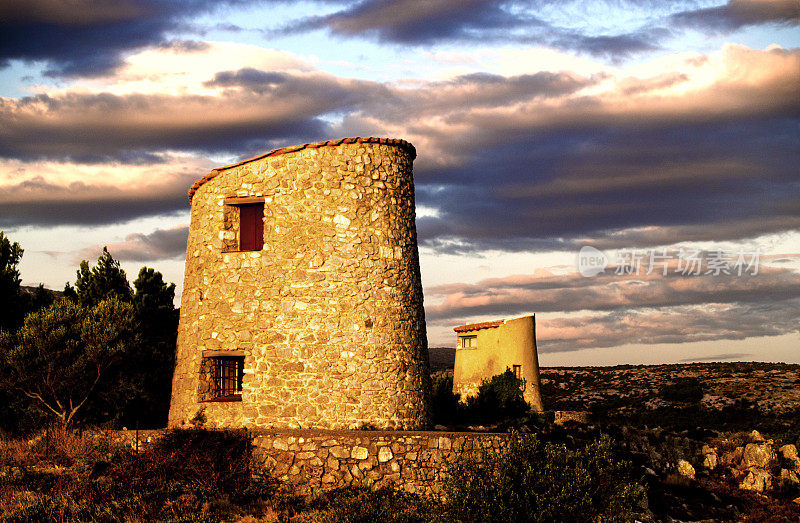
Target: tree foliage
534, 481
145, 388
104, 280
498, 398
63, 352
135, 377
445, 404
11, 310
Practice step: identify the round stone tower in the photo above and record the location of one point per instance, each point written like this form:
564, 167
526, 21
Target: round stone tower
302, 300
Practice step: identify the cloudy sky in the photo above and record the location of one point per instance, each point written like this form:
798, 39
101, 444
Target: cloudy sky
660, 133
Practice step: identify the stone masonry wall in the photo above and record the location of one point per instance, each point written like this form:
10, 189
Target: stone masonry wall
309, 461
329, 313
323, 460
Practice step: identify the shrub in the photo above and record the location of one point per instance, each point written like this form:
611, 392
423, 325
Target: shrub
445, 403
792, 433
685, 390
188, 475
499, 398
362, 505
205, 463
534, 481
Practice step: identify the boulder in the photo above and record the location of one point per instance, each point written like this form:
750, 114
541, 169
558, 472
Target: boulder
789, 454
789, 477
756, 437
757, 480
685, 469
757, 455
709, 457
734, 457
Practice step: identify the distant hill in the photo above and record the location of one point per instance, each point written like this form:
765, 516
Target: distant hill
31, 289
442, 358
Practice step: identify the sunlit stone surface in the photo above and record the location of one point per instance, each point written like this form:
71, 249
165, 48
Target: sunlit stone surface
328, 315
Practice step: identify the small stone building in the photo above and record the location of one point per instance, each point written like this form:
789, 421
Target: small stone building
486, 349
302, 300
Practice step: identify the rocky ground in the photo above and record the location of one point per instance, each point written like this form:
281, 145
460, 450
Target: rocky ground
773, 388
715, 441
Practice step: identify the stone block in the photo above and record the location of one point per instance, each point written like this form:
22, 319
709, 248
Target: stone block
340, 452
384, 454
359, 453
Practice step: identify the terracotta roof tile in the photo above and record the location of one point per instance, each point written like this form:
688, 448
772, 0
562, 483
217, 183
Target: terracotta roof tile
479, 326
330, 143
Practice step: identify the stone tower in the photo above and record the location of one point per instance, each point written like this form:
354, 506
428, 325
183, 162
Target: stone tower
486, 349
302, 300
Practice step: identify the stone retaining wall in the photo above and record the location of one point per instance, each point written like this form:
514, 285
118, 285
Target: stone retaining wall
314, 460
414, 461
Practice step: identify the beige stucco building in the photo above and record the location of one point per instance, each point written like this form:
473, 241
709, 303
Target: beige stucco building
486, 349
302, 300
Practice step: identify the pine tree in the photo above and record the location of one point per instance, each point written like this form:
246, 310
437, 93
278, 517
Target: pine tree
11, 303
102, 281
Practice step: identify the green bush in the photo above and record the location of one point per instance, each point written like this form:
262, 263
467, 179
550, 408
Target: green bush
534, 481
499, 398
685, 390
446, 407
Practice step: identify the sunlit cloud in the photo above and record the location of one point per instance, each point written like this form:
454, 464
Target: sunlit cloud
161, 244
53, 193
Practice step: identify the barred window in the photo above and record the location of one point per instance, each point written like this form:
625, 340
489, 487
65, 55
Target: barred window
227, 376
221, 377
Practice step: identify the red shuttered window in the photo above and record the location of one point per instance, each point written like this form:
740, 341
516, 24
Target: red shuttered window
251, 227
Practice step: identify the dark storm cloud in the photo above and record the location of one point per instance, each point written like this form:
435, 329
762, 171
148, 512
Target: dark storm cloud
161, 244
740, 13
42, 203
255, 111
253, 79
86, 38
101, 127
416, 21
549, 190
423, 22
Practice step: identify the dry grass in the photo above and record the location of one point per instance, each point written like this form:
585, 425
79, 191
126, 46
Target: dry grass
54, 447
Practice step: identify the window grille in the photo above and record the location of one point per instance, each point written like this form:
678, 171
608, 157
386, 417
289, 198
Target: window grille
227, 374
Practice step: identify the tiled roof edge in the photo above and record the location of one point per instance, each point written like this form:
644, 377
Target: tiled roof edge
316, 145
479, 326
